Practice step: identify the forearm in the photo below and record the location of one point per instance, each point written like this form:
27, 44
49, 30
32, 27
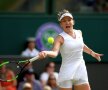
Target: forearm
87, 50
92, 53
52, 54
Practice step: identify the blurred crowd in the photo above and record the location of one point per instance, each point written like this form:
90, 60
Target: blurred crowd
83, 6
29, 80
40, 6
94, 6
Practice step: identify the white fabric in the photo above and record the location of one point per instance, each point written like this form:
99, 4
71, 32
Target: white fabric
65, 84
29, 53
79, 77
44, 76
71, 52
64, 15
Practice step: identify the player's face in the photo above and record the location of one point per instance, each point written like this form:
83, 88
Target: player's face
67, 23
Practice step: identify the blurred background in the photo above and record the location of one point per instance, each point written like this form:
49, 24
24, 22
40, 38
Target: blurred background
28, 23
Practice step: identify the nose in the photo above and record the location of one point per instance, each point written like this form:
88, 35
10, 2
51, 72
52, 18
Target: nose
67, 22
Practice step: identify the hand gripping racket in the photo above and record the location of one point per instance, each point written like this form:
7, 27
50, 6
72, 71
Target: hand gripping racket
20, 66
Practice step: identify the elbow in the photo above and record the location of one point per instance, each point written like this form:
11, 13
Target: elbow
54, 55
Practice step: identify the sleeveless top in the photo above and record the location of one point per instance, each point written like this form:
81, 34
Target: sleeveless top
72, 55
8, 85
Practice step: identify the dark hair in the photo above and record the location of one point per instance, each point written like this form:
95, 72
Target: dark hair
51, 77
48, 64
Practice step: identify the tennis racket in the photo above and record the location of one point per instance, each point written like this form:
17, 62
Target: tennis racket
19, 68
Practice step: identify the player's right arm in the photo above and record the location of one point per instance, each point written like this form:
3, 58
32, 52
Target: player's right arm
55, 50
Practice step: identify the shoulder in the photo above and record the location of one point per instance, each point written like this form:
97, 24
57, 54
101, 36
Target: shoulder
37, 82
62, 35
26, 50
79, 31
44, 73
35, 50
59, 39
56, 73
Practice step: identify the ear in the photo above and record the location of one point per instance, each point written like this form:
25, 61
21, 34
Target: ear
60, 24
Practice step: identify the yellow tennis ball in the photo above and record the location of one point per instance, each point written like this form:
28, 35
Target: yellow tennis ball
50, 40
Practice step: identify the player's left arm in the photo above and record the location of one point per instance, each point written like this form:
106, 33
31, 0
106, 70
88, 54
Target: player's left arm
89, 51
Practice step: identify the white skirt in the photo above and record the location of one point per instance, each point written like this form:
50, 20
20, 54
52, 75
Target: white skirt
73, 71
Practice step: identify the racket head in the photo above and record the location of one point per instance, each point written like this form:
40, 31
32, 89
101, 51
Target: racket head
19, 67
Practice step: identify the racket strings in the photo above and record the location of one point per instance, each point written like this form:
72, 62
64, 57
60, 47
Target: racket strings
19, 67
23, 68
22, 62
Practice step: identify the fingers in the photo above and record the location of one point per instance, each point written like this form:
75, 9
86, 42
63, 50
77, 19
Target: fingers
97, 56
101, 54
99, 59
42, 55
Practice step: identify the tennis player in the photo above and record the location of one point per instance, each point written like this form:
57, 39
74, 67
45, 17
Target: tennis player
70, 43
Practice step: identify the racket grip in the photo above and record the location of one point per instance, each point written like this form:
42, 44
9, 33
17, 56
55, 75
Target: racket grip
34, 58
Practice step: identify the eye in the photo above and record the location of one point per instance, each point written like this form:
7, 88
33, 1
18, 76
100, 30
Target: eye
69, 19
63, 20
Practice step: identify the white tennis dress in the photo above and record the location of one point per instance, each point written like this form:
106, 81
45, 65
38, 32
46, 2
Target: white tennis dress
73, 66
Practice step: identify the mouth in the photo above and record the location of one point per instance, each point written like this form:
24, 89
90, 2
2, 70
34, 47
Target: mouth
67, 27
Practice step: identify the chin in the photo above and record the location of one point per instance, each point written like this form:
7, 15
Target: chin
68, 29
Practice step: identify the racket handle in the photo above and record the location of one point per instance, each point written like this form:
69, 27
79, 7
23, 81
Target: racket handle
34, 58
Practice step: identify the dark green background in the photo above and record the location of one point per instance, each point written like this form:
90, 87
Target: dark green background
15, 28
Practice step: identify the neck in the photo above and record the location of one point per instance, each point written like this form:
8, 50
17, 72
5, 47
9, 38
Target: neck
30, 49
69, 31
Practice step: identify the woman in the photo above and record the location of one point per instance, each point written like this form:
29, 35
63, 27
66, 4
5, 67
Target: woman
8, 74
52, 82
49, 69
71, 46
